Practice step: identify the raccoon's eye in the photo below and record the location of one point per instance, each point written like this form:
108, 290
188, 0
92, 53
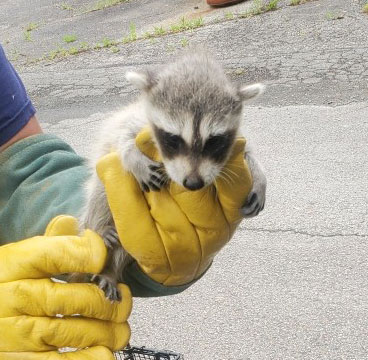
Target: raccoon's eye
173, 142
217, 146
215, 143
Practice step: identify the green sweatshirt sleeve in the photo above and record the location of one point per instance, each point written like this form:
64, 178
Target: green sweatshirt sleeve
42, 177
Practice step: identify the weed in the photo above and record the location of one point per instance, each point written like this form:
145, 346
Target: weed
73, 51
159, 31
272, 5
104, 4
15, 55
229, 15
183, 25
259, 7
69, 38
27, 36
365, 8
239, 71
65, 6
53, 54
115, 49
106, 43
132, 34
32, 26
330, 15
298, 2
186, 24
133, 31
84, 46
147, 35
184, 42
62, 52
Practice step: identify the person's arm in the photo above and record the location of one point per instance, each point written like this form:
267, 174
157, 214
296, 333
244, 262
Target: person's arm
31, 128
17, 114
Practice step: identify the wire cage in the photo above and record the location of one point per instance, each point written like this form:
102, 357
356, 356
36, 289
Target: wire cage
142, 353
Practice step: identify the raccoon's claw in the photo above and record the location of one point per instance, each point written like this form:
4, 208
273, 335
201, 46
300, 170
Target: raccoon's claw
111, 237
157, 178
253, 206
108, 286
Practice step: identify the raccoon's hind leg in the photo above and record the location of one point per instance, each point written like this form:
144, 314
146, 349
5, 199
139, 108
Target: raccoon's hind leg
97, 216
108, 279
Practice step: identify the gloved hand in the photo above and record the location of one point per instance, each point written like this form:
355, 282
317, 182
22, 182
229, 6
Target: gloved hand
174, 234
30, 301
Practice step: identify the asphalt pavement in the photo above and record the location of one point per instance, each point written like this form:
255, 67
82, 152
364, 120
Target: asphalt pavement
292, 283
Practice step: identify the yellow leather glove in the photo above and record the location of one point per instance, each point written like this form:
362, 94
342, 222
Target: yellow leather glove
30, 301
174, 234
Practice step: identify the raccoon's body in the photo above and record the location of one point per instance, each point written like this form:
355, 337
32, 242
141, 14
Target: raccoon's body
195, 114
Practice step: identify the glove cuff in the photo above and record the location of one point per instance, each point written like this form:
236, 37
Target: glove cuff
141, 285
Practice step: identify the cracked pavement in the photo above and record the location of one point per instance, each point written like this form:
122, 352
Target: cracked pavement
292, 283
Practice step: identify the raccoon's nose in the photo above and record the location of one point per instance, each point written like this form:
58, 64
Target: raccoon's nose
193, 182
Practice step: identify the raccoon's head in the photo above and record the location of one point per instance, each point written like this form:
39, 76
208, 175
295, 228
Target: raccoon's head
195, 114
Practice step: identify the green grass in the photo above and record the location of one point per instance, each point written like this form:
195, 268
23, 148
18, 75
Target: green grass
229, 15
32, 26
272, 5
299, 2
260, 7
239, 71
133, 31
159, 31
365, 8
147, 35
65, 6
63, 52
106, 42
104, 4
28, 29
182, 25
73, 50
69, 38
27, 36
132, 34
184, 42
84, 46
330, 15
186, 24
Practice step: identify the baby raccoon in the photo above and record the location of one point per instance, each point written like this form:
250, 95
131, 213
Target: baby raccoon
195, 114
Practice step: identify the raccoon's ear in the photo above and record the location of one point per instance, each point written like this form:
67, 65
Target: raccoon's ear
248, 92
142, 80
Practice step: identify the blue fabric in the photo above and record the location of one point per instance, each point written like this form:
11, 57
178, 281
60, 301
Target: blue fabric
15, 107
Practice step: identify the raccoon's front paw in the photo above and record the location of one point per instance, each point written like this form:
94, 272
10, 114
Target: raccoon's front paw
108, 286
152, 176
254, 203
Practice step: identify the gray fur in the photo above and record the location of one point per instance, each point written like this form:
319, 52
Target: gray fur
191, 98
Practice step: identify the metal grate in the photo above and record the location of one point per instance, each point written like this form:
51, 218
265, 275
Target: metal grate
142, 353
